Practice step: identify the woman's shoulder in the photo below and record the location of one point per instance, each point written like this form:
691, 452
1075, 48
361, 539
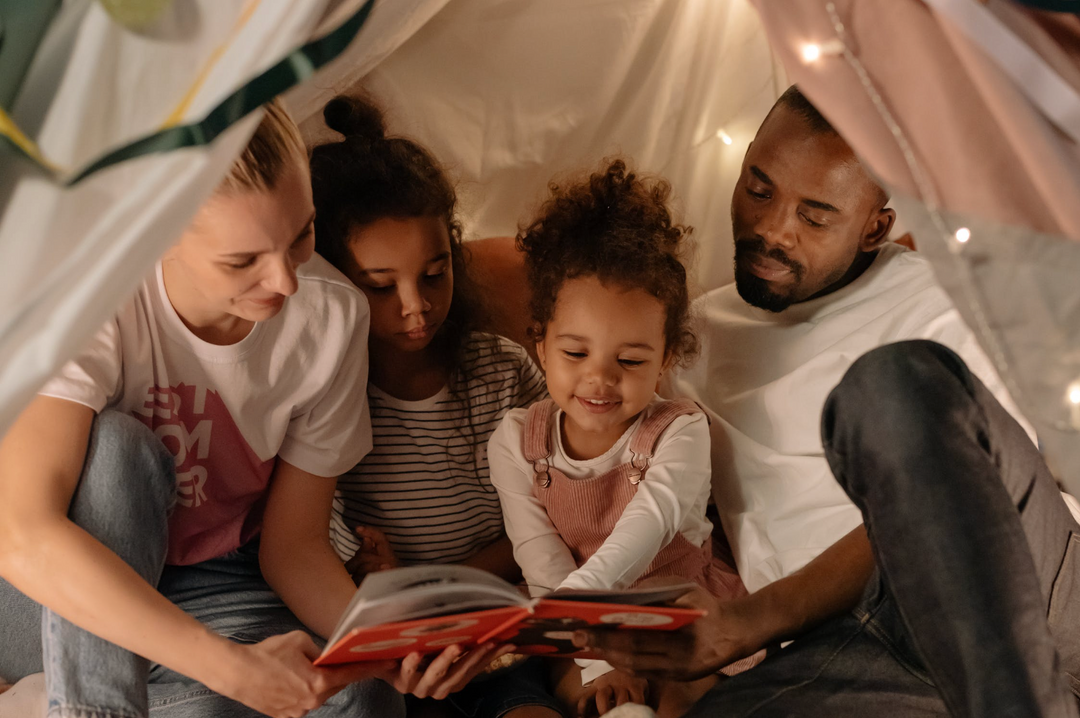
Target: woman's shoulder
324, 291
327, 311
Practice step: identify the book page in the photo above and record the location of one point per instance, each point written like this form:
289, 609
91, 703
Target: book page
415, 592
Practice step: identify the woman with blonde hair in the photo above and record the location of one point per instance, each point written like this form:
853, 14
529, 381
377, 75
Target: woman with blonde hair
175, 479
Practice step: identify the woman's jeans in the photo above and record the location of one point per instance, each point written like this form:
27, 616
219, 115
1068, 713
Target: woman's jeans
124, 495
975, 606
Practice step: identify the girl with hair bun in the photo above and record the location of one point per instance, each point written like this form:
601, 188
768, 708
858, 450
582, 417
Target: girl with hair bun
385, 216
605, 485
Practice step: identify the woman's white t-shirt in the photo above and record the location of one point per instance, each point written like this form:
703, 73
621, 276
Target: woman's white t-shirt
294, 387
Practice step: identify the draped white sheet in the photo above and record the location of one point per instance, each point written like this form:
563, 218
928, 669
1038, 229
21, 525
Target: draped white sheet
510, 94
507, 93
71, 255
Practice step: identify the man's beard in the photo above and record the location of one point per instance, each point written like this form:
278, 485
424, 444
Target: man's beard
754, 290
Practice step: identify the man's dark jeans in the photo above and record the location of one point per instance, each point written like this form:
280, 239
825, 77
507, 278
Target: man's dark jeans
975, 607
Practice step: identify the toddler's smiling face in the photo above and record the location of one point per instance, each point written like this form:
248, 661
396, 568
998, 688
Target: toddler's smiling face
603, 352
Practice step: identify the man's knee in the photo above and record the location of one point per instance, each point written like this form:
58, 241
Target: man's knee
892, 401
898, 382
904, 369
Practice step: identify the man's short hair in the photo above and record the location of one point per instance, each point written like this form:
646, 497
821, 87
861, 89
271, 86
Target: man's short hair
794, 100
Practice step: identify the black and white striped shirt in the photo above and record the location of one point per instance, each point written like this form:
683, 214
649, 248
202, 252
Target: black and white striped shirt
425, 483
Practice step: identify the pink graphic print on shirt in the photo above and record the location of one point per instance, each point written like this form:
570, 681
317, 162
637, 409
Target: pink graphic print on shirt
220, 481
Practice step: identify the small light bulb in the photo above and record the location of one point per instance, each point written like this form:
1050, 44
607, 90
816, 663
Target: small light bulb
963, 234
812, 51
1074, 395
724, 137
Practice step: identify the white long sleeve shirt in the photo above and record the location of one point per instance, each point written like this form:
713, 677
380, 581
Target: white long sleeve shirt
671, 499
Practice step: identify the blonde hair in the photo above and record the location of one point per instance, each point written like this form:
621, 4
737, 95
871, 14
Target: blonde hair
275, 144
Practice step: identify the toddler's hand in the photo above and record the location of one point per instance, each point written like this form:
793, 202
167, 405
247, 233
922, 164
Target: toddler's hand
612, 689
447, 673
374, 555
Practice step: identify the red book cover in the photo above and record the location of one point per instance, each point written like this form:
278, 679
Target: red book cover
427, 608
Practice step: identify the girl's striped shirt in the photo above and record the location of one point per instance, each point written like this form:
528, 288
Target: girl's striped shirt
425, 483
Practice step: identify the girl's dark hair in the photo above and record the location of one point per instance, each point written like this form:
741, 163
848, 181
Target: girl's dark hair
615, 226
368, 176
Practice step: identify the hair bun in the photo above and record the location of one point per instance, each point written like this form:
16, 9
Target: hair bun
355, 117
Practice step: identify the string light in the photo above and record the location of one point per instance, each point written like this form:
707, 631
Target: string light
724, 137
1074, 394
962, 235
812, 51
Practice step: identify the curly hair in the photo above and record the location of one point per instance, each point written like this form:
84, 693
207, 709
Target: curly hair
368, 176
615, 226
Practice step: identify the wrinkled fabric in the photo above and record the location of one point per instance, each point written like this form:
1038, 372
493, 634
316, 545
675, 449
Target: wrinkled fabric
73, 255
932, 108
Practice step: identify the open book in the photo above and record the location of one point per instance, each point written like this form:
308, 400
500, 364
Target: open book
427, 608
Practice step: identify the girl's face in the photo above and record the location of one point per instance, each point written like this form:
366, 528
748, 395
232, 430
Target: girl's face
603, 352
405, 269
239, 256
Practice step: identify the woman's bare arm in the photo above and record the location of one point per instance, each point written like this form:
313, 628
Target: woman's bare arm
59, 565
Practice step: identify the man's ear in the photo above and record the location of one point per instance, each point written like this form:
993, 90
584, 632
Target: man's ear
877, 230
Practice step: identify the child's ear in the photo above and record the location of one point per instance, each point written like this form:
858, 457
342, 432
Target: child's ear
669, 362
540, 354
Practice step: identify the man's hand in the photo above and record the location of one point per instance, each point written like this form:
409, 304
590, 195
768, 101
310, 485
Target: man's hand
612, 689
700, 649
448, 673
276, 676
374, 555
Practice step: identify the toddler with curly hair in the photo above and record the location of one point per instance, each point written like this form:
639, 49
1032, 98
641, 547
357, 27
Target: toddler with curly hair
605, 485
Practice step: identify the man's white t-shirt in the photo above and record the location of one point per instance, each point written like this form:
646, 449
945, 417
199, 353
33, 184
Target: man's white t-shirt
295, 387
766, 377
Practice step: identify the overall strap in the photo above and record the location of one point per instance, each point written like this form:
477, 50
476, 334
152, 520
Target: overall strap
536, 440
643, 442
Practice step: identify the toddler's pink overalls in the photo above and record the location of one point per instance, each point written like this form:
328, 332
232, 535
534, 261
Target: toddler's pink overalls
585, 511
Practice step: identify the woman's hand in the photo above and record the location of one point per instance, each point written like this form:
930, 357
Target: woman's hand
276, 676
374, 555
612, 689
447, 673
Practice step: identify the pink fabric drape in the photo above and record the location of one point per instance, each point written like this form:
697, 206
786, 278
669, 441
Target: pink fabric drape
933, 112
